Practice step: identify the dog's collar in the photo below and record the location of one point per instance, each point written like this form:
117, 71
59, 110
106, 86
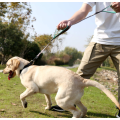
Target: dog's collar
29, 64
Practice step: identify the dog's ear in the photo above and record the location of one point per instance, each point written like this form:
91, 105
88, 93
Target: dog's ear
15, 64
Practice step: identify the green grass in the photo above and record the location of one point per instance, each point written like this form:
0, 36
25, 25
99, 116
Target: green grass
97, 103
106, 68
64, 65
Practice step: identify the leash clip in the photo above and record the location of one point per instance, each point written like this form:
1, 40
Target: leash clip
32, 62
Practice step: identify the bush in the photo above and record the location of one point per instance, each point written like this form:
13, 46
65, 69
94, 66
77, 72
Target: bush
31, 52
58, 61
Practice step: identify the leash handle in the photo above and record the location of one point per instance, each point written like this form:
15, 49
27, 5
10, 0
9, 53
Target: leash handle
108, 11
64, 30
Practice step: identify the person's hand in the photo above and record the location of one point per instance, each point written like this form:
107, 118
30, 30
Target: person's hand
62, 25
116, 6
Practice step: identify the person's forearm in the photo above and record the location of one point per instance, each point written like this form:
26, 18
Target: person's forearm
80, 14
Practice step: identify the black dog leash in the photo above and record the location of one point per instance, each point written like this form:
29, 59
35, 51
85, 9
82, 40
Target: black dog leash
55, 36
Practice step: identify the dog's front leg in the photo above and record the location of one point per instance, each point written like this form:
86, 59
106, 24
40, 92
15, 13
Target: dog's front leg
48, 101
26, 93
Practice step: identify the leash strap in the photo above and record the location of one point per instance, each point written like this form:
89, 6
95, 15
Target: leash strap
103, 10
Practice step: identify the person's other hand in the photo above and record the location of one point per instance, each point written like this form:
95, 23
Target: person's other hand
63, 24
116, 6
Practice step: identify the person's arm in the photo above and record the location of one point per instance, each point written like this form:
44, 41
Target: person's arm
77, 17
116, 6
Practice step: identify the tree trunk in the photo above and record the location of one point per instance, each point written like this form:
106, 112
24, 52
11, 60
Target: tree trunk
3, 60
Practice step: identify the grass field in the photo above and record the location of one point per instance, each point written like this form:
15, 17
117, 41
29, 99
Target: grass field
2, 67
97, 103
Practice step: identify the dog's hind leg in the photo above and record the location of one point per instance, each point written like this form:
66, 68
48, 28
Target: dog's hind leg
29, 91
48, 101
67, 103
82, 107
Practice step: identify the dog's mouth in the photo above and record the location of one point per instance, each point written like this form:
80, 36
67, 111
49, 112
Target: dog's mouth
10, 75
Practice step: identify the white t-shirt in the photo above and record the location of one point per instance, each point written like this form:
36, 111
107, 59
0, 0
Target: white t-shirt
108, 25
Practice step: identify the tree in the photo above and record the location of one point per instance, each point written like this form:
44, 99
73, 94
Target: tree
108, 63
19, 14
3, 8
31, 51
10, 40
43, 40
73, 52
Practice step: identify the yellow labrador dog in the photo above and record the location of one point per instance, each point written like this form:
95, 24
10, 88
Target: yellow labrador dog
51, 79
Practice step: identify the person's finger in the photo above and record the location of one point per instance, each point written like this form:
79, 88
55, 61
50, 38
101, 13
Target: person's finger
64, 25
59, 26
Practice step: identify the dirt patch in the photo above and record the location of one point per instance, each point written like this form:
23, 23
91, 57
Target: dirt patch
107, 78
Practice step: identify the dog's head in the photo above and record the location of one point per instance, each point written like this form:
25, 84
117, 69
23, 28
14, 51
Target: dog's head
14, 65
11, 66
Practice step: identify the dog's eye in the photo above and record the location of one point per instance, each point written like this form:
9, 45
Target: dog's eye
8, 66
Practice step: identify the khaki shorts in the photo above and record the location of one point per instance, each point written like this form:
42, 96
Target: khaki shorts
94, 55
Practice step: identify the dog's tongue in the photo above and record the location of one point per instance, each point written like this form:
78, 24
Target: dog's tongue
8, 78
9, 75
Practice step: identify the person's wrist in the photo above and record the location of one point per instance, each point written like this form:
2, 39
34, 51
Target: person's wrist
70, 23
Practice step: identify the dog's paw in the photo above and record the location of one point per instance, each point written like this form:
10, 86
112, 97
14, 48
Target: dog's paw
47, 108
82, 115
24, 104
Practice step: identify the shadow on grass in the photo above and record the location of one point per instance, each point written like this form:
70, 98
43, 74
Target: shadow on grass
67, 114
64, 114
40, 113
98, 115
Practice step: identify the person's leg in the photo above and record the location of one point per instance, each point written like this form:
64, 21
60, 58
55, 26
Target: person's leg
93, 57
115, 56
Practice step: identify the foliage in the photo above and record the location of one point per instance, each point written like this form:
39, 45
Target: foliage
10, 39
67, 56
3, 8
43, 41
17, 13
73, 52
15, 21
108, 63
31, 51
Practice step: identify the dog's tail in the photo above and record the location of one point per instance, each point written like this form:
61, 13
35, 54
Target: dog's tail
101, 87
